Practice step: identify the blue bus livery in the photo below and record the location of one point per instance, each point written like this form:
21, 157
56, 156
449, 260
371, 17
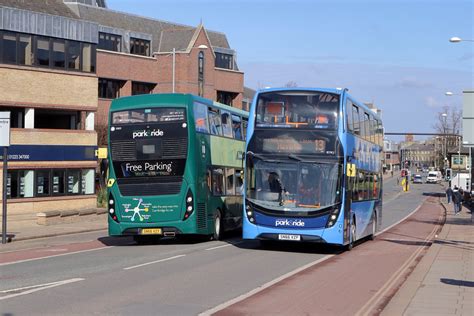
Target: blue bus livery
313, 168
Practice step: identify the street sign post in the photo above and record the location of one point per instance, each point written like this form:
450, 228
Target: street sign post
5, 143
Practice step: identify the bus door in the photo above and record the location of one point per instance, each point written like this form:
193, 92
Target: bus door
350, 179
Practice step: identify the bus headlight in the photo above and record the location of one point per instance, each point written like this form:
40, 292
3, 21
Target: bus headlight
332, 218
249, 212
189, 205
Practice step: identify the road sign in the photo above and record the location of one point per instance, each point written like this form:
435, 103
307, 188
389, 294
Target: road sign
4, 129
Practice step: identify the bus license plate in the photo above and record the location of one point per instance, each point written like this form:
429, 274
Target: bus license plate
289, 237
151, 231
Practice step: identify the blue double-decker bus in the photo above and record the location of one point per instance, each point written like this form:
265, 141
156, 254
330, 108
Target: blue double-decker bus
313, 167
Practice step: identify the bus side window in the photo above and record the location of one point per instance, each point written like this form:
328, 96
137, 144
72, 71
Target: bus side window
244, 127
350, 124
214, 122
237, 126
226, 124
356, 119
200, 117
361, 189
218, 181
229, 175
239, 181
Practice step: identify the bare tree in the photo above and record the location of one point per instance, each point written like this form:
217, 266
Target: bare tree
291, 84
102, 135
448, 121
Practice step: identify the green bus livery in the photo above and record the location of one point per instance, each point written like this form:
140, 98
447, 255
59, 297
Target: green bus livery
175, 166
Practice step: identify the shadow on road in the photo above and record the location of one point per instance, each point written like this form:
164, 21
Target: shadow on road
435, 194
288, 246
158, 240
457, 282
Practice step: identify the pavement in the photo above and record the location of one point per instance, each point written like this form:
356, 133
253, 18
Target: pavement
24, 227
442, 283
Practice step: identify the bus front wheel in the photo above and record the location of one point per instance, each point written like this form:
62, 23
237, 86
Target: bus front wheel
217, 234
352, 236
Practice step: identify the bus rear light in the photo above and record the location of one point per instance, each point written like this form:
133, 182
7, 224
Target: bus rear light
189, 205
112, 209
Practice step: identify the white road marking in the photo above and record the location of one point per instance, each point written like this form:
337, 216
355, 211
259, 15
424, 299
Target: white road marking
157, 261
226, 245
53, 256
35, 288
263, 287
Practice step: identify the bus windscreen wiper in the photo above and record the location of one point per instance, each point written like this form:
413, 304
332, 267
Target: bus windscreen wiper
258, 156
294, 157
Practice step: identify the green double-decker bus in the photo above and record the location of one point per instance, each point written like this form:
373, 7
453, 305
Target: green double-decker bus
175, 166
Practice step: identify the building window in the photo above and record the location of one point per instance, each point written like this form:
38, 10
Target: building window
89, 56
201, 74
58, 181
139, 46
225, 97
42, 52
59, 54
74, 55
109, 89
42, 183
25, 50
142, 88
110, 42
225, 61
56, 119
17, 116
50, 182
8, 47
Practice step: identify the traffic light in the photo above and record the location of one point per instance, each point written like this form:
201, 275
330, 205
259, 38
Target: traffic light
448, 174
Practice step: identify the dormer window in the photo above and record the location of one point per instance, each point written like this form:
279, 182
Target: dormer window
139, 46
225, 61
110, 42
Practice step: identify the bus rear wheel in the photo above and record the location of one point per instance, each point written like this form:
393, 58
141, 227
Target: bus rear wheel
374, 227
217, 234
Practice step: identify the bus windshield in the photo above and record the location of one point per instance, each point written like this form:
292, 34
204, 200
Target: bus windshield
297, 109
293, 187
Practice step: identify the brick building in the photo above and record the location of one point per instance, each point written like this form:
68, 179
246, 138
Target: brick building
138, 55
48, 84
61, 64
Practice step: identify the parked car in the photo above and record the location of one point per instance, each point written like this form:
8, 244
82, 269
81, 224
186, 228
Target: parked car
417, 178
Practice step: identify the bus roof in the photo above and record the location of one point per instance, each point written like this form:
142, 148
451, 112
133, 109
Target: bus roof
338, 91
143, 100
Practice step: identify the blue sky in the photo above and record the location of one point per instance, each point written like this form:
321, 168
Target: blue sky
394, 53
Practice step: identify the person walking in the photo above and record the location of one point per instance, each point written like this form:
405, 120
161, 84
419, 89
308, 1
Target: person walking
456, 200
449, 194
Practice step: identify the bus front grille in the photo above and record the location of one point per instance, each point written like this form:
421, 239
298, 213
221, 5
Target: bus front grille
201, 216
124, 151
175, 147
